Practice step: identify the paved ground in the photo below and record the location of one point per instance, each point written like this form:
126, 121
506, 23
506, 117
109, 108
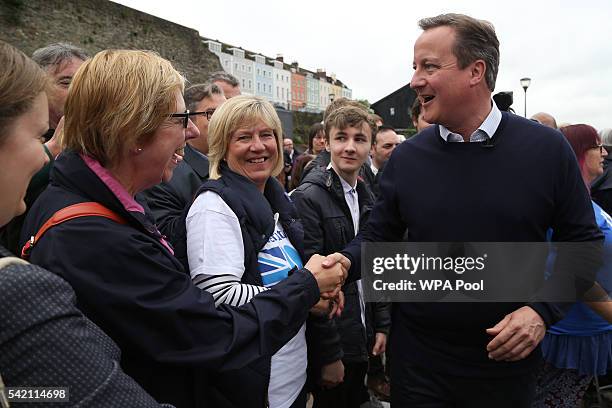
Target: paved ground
374, 403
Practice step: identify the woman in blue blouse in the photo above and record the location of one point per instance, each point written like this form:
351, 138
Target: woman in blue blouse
579, 346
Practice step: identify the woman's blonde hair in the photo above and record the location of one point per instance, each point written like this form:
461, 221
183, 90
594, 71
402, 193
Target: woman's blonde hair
239, 112
21, 81
119, 98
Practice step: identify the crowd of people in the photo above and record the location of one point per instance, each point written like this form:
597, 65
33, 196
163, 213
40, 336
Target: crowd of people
169, 246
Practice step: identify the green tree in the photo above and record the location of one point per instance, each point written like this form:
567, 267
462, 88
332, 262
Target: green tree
302, 121
366, 104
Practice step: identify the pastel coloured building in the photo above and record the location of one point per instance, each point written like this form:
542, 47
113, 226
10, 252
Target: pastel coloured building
298, 88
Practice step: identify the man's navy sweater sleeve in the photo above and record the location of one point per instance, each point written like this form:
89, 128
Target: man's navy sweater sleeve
384, 225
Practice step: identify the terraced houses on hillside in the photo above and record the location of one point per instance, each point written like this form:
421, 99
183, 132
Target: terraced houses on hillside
285, 85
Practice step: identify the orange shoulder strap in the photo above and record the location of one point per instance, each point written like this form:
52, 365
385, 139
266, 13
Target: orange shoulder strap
87, 209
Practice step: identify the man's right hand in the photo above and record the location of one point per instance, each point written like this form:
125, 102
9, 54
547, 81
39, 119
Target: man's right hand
337, 257
329, 279
332, 374
516, 335
331, 261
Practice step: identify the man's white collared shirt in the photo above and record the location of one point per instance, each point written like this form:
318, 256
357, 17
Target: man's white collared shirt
485, 131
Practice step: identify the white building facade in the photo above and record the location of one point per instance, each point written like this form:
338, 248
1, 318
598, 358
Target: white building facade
281, 84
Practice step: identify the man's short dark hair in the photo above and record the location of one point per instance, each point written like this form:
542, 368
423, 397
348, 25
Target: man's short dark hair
225, 77
195, 93
57, 53
382, 128
476, 40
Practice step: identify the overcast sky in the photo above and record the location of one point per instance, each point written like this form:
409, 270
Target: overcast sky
565, 46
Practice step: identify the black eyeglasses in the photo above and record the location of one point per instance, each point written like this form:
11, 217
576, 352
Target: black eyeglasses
208, 113
185, 117
600, 147
188, 115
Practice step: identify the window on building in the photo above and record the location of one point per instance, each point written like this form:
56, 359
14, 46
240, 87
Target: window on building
235, 66
243, 83
250, 84
392, 111
258, 87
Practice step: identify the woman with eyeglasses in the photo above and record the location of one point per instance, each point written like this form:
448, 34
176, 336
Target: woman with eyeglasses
44, 339
125, 131
579, 347
169, 199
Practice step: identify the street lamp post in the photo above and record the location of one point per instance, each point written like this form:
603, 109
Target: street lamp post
525, 82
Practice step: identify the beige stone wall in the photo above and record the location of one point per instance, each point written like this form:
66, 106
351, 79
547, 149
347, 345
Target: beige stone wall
100, 24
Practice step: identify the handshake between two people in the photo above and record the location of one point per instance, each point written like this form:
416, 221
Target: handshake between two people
330, 272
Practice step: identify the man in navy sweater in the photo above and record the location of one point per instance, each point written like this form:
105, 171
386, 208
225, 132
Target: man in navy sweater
511, 181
